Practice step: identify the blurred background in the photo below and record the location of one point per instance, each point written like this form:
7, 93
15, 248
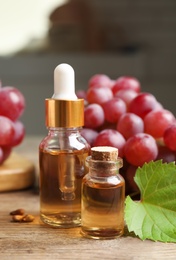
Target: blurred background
113, 37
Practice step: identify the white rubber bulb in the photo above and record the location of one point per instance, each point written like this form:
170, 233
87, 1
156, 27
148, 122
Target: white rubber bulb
64, 82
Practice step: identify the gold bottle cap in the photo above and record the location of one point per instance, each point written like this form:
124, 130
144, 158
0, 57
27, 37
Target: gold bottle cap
64, 113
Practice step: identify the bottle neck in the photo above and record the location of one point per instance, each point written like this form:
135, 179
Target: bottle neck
71, 130
66, 139
103, 168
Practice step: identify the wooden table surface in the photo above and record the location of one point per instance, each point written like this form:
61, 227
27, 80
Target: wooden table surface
37, 241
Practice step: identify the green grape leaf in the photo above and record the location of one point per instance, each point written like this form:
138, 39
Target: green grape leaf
154, 216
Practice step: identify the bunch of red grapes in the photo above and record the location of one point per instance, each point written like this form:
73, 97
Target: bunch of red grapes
119, 114
12, 131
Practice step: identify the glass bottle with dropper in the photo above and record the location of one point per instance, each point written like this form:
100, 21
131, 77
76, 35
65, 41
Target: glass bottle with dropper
62, 153
103, 195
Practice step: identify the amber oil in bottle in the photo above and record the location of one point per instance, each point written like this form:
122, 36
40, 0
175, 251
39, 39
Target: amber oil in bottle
61, 173
103, 195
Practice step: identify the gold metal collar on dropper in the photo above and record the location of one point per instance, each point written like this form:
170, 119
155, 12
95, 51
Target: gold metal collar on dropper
64, 109
64, 113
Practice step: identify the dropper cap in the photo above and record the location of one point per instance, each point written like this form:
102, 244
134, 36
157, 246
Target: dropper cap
64, 82
64, 109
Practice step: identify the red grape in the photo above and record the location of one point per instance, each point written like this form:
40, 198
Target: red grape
19, 133
89, 134
12, 103
7, 131
157, 121
126, 95
140, 148
93, 116
143, 103
170, 137
113, 109
99, 95
109, 137
125, 82
100, 80
130, 124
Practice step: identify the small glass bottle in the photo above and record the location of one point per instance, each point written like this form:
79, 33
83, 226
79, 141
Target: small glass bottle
103, 195
62, 155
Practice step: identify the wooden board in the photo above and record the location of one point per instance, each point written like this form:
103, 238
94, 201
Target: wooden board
16, 173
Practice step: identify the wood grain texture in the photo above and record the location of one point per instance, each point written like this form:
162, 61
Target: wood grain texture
35, 240
16, 173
